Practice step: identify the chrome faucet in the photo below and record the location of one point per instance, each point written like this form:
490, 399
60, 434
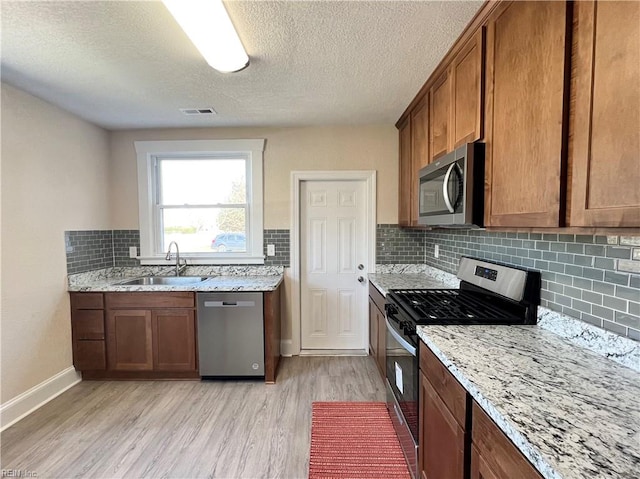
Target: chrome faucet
168, 257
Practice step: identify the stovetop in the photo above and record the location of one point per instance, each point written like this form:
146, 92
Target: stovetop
454, 306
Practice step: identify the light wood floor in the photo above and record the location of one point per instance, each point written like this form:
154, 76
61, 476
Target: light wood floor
187, 429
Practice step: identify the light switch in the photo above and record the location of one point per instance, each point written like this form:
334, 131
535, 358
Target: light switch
436, 251
271, 250
133, 251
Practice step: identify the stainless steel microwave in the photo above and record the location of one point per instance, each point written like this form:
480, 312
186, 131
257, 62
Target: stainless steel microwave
451, 189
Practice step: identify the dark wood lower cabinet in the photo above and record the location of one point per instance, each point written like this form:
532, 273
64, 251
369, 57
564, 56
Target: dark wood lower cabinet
377, 329
497, 457
130, 340
456, 438
149, 335
442, 439
174, 333
272, 334
479, 467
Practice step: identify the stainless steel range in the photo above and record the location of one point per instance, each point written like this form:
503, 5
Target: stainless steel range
489, 293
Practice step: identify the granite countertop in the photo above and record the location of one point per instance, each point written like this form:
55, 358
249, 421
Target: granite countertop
220, 279
572, 413
554, 389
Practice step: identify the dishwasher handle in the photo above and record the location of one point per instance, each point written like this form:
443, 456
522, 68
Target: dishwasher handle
229, 304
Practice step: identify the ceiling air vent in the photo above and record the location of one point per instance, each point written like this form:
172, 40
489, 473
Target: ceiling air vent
198, 111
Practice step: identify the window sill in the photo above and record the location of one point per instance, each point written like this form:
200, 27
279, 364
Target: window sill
197, 260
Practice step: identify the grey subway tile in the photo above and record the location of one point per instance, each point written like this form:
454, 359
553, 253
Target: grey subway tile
616, 328
615, 303
616, 278
628, 320
622, 253
601, 312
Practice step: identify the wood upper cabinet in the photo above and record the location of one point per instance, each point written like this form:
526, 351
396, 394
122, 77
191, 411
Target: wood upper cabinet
420, 137
174, 347
405, 194
129, 342
456, 99
467, 90
440, 116
605, 129
526, 116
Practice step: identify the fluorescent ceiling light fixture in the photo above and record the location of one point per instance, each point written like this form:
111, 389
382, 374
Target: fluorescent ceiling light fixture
208, 26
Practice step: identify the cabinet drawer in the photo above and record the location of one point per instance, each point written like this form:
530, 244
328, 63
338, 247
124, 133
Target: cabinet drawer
88, 324
447, 387
87, 301
497, 451
178, 299
89, 355
377, 297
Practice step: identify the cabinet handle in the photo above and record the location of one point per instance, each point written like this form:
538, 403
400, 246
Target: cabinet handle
229, 304
445, 190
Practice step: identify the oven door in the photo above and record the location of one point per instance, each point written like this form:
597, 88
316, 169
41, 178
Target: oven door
402, 389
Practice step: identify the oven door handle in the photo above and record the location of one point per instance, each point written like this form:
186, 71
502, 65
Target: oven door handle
400, 339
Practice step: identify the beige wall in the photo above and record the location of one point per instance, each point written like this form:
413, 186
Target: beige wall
54, 178
373, 147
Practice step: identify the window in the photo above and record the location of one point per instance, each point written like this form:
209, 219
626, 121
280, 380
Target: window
206, 195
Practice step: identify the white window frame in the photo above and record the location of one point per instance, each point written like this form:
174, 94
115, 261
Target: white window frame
148, 151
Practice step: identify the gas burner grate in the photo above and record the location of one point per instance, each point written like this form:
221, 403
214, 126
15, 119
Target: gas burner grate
451, 306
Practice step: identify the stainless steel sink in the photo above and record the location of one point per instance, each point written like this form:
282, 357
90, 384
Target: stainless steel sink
163, 281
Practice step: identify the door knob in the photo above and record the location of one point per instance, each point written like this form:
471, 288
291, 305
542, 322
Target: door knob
361, 279
361, 267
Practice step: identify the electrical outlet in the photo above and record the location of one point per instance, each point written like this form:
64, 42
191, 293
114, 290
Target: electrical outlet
436, 251
133, 251
271, 250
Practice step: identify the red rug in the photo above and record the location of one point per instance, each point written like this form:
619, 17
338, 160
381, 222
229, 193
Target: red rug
354, 440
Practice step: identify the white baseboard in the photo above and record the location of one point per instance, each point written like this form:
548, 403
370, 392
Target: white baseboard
286, 348
27, 402
334, 352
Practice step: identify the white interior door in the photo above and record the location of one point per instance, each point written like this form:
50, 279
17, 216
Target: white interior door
333, 256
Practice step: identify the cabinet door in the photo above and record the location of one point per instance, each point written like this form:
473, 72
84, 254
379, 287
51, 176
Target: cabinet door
526, 114
382, 344
479, 468
373, 329
129, 345
440, 116
174, 347
442, 439
605, 158
467, 85
500, 459
89, 355
420, 136
405, 186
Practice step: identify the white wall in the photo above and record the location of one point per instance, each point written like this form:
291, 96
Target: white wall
55, 170
371, 147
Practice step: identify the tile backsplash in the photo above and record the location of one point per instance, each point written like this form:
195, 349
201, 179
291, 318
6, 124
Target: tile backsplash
88, 250
97, 249
592, 278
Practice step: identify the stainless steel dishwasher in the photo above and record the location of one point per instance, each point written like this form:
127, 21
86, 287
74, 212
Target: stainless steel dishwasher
230, 335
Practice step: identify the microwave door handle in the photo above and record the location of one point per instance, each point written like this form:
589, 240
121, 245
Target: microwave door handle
445, 190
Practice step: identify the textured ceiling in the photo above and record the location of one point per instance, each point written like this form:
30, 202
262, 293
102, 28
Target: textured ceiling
124, 64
